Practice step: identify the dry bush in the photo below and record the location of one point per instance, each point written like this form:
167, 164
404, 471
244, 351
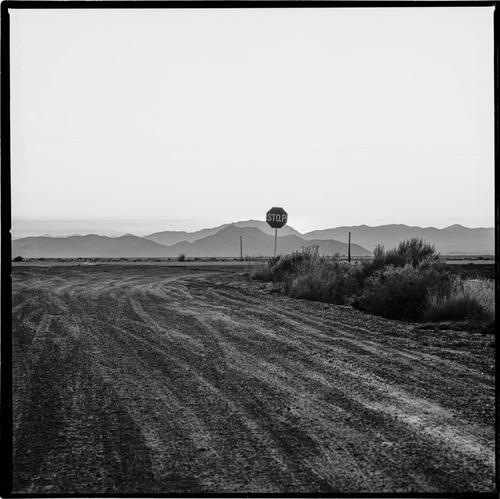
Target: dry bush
261, 272
410, 282
306, 274
401, 292
414, 251
484, 291
322, 280
282, 267
465, 299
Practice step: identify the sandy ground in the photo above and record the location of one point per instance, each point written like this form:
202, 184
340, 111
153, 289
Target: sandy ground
191, 379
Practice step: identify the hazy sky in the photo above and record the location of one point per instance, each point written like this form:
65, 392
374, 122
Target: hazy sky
198, 117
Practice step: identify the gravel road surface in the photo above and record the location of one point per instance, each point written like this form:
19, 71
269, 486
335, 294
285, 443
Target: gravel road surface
146, 379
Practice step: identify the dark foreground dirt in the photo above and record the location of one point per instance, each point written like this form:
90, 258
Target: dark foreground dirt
168, 379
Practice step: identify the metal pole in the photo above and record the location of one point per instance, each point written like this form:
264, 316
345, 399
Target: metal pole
241, 249
275, 240
349, 249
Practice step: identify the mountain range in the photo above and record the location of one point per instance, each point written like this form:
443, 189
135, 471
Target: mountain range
172, 237
455, 239
226, 242
257, 238
89, 245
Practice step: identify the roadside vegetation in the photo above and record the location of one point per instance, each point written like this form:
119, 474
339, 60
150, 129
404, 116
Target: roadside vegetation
465, 299
410, 282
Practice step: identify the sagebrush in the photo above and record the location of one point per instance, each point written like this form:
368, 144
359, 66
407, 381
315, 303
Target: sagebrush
465, 299
409, 282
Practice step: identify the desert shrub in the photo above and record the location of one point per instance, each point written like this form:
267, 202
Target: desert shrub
305, 274
395, 284
378, 256
322, 280
414, 251
181, 257
472, 299
283, 267
18, 259
401, 292
484, 291
261, 272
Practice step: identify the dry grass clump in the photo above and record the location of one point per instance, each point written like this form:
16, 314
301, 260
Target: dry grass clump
484, 291
306, 274
414, 252
465, 299
323, 280
261, 272
280, 268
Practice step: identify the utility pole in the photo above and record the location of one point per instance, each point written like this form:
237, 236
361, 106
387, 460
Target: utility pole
349, 249
241, 249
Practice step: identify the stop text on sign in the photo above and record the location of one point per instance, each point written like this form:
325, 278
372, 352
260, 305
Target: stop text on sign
276, 217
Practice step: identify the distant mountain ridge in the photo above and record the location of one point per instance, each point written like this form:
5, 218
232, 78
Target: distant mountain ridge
223, 243
173, 237
89, 246
455, 239
226, 242
258, 239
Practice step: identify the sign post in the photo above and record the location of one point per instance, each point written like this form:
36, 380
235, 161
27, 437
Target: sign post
276, 217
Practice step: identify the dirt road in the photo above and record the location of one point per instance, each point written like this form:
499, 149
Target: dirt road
169, 379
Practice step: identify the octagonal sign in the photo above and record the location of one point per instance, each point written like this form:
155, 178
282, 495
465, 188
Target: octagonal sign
276, 217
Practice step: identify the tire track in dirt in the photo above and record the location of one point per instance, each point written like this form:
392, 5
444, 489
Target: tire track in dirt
402, 360
175, 379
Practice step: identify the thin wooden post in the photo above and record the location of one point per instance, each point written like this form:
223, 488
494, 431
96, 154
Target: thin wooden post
275, 240
349, 249
241, 249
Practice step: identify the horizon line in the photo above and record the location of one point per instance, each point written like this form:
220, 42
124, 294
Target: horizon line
128, 220
130, 233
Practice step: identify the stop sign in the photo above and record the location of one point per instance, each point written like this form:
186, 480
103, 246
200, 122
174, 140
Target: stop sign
276, 217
